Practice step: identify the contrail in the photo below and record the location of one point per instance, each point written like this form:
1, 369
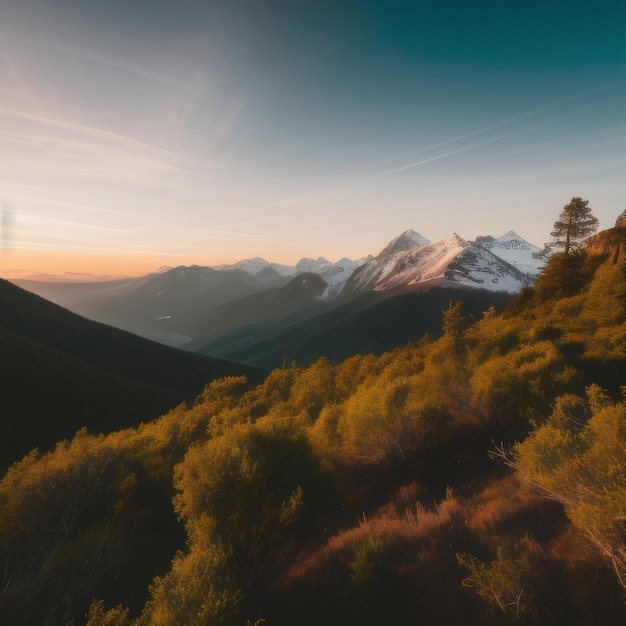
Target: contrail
444, 155
480, 131
461, 137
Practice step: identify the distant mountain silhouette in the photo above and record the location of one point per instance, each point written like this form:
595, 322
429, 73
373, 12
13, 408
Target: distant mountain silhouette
157, 306
296, 300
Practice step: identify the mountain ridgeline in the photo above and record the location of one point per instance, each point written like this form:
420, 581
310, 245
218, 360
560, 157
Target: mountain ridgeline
474, 478
267, 314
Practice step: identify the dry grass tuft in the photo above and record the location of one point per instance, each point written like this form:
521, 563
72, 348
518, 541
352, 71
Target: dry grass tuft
498, 503
412, 526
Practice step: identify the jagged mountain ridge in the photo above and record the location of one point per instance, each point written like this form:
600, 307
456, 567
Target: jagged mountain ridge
507, 263
170, 306
335, 274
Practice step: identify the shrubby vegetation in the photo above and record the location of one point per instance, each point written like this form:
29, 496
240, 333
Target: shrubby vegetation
362, 492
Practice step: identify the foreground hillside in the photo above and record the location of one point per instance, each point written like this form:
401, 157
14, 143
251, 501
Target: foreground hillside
61, 372
476, 479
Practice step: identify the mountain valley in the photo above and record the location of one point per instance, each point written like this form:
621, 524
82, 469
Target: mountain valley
267, 314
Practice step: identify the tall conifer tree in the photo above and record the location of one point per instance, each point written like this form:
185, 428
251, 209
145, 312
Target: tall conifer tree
574, 224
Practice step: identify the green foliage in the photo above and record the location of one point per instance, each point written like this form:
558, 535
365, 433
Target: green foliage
269, 486
200, 587
99, 616
564, 276
517, 387
454, 324
585, 467
363, 568
574, 224
499, 583
64, 524
253, 488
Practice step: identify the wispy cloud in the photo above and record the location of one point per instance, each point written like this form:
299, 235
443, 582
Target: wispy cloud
474, 133
34, 124
190, 88
444, 155
544, 116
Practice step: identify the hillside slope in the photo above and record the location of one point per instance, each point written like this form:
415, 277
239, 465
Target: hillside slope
298, 299
399, 489
369, 324
62, 372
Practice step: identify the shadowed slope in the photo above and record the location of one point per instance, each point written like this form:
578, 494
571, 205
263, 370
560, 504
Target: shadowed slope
60, 368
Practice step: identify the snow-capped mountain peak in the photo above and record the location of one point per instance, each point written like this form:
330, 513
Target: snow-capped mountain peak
408, 263
512, 240
408, 240
420, 265
453, 239
515, 250
250, 266
313, 265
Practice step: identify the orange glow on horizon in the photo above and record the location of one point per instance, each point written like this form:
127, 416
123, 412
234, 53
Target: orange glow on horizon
40, 264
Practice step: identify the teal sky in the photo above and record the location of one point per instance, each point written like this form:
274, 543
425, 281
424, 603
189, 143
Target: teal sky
170, 132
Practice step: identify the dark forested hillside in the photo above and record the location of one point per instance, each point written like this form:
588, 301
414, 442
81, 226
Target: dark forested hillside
479, 478
61, 372
369, 324
297, 300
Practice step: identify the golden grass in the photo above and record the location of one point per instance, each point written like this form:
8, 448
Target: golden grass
411, 526
497, 503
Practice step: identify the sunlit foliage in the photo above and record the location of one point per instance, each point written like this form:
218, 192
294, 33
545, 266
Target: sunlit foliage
344, 493
581, 461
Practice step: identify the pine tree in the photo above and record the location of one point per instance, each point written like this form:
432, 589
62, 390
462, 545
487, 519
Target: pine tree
574, 224
455, 324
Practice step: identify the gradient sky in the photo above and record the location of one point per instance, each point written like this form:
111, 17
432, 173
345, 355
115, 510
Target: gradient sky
136, 134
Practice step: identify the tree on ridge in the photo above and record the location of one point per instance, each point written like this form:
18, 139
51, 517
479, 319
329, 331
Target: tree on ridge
574, 224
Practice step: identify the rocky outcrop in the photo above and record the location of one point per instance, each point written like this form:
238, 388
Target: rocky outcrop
610, 242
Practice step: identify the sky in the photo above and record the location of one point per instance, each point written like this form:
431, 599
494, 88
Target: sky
138, 134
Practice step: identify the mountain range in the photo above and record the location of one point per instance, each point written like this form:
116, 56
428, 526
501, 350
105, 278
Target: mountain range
253, 309
410, 262
399, 489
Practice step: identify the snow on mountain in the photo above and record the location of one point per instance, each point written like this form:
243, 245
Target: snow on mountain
516, 251
420, 265
258, 264
478, 267
251, 266
335, 274
411, 262
369, 273
408, 240
503, 264
315, 266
